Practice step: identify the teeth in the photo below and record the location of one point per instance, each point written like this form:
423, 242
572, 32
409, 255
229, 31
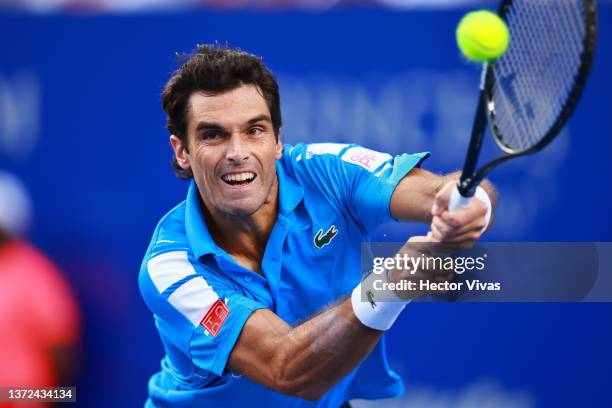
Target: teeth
239, 176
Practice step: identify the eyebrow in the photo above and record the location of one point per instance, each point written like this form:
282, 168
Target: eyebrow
216, 126
260, 118
208, 125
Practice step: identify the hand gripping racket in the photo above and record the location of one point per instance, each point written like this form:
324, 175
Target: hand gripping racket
529, 93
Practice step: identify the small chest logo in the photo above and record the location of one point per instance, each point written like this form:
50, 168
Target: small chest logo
321, 239
215, 317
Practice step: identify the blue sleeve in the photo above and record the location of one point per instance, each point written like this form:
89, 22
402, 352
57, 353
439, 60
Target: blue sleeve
354, 179
211, 352
195, 309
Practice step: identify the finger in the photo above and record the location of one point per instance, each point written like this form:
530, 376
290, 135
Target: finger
441, 199
442, 227
464, 216
441, 247
446, 248
469, 237
435, 233
416, 245
453, 232
418, 239
431, 246
435, 240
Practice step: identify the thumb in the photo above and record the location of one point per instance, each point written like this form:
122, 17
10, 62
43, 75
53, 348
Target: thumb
440, 203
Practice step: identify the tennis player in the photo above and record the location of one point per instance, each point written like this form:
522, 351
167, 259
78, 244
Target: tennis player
253, 280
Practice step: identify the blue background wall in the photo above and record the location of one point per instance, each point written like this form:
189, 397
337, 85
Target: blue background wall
82, 125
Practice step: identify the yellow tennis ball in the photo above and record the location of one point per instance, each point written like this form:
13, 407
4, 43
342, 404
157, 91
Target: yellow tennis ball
482, 36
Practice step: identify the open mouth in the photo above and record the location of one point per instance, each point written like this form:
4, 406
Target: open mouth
239, 179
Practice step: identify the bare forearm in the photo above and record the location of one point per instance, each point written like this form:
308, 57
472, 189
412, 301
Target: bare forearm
414, 196
308, 360
325, 349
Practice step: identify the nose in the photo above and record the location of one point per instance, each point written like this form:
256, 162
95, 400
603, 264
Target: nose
237, 149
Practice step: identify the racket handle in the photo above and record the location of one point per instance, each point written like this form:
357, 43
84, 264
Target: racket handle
457, 200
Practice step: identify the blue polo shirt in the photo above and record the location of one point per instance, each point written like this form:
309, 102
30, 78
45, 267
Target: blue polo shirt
331, 196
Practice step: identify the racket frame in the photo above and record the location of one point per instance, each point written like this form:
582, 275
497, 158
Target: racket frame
485, 110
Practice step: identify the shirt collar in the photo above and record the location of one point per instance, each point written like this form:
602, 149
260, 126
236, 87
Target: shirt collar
200, 240
290, 193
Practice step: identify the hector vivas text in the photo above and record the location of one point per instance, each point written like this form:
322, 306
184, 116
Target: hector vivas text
410, 265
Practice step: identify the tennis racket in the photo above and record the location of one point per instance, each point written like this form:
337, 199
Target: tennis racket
529, 93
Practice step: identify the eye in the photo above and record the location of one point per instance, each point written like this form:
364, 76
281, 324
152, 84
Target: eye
211, 135
255, 131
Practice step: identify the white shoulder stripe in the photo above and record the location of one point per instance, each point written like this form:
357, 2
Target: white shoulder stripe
193, 299
168, 268
324, 148
366, 158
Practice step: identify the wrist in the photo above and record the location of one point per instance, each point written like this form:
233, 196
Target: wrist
375, 309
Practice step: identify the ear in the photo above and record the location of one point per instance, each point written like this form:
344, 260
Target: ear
180, 152
279, 147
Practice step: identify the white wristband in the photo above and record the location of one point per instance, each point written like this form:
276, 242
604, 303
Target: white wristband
482, 195
373, 314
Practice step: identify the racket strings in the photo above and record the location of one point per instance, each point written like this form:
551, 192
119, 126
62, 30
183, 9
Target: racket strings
535, 77
537, 109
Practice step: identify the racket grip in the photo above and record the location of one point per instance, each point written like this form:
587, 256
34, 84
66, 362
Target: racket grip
457, 200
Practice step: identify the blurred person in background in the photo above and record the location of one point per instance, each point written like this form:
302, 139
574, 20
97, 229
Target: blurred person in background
39, 317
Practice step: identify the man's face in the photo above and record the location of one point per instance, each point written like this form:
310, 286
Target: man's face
232, 150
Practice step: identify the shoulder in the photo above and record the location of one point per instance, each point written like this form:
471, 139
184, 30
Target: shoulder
329, 157
174, 285
167, 258
179, 293
170, 233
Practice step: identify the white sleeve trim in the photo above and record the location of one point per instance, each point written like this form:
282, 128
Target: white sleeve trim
168, 268
194, 299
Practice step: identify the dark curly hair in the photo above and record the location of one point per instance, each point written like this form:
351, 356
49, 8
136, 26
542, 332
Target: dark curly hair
215, 69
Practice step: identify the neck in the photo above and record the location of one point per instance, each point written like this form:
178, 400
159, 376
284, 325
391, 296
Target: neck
244, 237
